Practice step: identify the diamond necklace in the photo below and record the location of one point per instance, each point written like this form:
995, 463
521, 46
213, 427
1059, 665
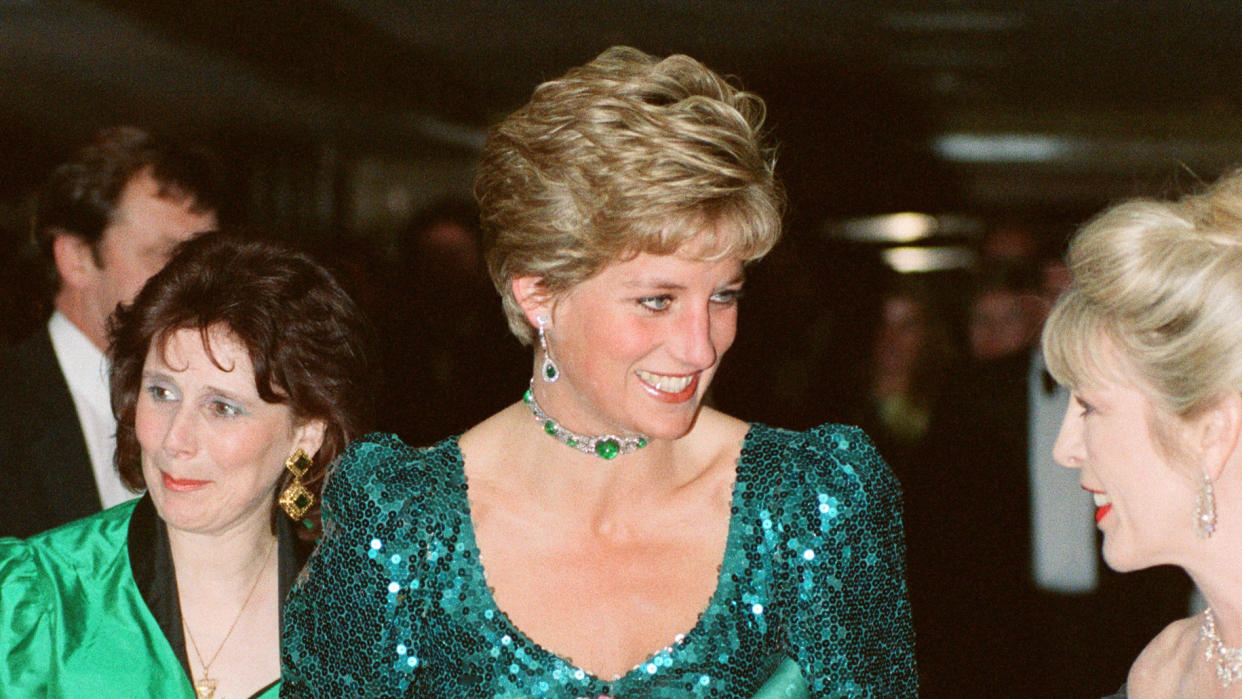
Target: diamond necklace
1228, 660
205, 686
605, 446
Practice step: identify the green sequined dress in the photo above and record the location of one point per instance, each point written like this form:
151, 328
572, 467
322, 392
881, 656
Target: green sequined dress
811, 599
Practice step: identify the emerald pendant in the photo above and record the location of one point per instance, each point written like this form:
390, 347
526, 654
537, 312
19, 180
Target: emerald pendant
604, 446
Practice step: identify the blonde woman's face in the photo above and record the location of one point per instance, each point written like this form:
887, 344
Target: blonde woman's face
1144, 503
639, 343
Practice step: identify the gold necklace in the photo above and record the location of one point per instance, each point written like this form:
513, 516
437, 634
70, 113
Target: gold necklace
205, 686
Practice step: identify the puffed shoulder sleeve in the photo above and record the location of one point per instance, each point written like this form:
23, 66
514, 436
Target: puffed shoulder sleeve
850, 627
25, 622
337, 617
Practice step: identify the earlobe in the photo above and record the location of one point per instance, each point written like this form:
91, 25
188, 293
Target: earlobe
310, 436
1221, 430
74, 259
533, 297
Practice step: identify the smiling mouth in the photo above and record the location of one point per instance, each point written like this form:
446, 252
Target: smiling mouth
1103, 505
181, 485
669, 388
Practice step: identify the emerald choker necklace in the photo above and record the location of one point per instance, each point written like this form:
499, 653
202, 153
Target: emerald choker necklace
606, 446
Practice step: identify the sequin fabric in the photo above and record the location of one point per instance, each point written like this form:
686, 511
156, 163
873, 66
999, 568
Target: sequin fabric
394, 602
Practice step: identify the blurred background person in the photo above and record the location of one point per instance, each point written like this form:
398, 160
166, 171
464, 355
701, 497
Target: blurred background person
636, 542
912, 352
1005, 311
448, 354
1147, 337
238, 374
105, 222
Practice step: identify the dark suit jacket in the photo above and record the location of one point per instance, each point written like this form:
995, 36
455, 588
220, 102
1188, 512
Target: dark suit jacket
980, 621
45, 470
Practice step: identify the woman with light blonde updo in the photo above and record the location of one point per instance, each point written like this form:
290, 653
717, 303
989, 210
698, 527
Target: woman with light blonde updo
1149, 338
608, 534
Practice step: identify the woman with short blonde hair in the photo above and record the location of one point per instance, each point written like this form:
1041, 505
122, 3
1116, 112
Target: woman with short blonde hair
609, 534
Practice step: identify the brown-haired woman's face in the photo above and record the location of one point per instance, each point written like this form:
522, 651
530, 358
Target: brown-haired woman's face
212, 449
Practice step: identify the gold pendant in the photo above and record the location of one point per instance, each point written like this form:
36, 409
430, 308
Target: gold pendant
205, 688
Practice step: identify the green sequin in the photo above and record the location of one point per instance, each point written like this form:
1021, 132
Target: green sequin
811, 589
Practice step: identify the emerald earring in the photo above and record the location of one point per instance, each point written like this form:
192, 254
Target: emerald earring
549, 370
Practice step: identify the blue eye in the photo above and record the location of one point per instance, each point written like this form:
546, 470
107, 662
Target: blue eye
656, 303
221, 408
159, 393
727, 297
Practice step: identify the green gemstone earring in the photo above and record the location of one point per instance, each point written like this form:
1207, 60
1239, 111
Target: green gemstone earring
549, 370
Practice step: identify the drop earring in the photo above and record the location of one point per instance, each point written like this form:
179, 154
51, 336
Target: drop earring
296, 499
1205, 509
549, 370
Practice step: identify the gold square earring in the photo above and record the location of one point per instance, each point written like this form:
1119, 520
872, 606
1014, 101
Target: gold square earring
295, 500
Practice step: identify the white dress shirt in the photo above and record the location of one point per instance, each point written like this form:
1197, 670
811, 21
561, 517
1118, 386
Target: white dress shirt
85, 369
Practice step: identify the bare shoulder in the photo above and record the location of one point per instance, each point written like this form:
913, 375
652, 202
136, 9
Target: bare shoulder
714, 429
490, 436
1165, 665
716, 440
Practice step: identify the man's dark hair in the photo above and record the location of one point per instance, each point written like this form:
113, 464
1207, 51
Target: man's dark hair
80, 197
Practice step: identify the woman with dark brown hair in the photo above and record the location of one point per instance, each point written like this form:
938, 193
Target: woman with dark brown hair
238, 374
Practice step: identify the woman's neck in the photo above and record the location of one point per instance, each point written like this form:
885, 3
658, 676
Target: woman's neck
1213, 564
510, 454
224, 561
227, 587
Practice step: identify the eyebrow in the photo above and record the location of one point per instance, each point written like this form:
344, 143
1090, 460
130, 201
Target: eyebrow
674, 286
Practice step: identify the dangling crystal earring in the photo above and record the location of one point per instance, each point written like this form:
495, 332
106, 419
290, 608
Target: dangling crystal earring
296, 499
1205, 509
550, 371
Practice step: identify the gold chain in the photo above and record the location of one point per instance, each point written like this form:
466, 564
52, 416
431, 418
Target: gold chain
205, 687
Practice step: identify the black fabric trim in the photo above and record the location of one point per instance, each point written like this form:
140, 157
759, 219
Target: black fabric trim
291, 555
150, 560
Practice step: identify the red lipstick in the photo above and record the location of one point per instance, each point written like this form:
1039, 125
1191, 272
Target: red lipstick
1101, 511
181, 485
681, 396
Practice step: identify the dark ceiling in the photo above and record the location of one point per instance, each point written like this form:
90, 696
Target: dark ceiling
880, 106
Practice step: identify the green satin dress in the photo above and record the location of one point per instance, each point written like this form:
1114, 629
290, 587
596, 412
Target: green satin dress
810, 601
79, 606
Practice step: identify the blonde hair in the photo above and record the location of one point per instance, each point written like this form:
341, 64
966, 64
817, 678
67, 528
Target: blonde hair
1162, 281
624, 155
